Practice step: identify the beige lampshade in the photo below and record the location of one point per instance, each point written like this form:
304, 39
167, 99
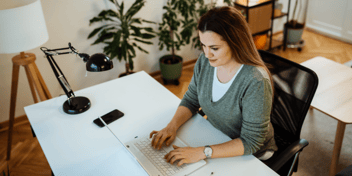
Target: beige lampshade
22, 26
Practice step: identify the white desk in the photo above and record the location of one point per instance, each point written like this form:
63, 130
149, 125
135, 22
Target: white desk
333, 97
73, 145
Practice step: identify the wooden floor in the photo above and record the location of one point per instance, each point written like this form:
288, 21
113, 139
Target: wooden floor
28, 157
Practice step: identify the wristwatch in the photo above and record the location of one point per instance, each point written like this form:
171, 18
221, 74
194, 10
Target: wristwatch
208, 151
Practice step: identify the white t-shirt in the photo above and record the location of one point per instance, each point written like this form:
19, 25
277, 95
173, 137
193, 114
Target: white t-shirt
219, 89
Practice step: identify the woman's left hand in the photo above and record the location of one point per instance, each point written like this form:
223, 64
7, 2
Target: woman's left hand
185, 155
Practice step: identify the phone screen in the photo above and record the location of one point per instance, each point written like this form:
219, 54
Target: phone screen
109, 117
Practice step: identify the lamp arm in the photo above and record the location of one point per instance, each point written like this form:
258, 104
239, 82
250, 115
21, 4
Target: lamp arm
75, 105
60, 77
49, 53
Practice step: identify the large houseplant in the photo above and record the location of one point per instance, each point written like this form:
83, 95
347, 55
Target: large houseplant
122, 32
179, 21
295, 26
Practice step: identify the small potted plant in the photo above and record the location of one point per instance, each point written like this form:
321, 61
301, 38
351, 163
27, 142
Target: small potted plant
122, 32
295, 26
175, 30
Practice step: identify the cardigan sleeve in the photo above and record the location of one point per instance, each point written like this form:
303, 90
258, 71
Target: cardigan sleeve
190, 99
256, 108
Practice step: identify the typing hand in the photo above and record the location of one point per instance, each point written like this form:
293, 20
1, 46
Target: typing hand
185, 155
167, 135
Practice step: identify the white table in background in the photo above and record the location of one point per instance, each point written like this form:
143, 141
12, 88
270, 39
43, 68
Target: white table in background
333, 97
73, 145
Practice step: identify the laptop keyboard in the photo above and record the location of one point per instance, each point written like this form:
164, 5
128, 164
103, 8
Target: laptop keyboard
157, 157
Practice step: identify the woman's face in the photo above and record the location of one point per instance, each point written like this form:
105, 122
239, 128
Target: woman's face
215, 49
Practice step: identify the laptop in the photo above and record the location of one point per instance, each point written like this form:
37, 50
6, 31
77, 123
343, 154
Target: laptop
152, 160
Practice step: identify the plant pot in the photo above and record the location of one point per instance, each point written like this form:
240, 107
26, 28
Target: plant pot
294, 35
170, 68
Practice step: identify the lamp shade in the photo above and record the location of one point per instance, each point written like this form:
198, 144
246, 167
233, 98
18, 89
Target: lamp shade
99, 62
22, 26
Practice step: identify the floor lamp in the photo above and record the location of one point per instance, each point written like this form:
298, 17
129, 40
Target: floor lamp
22, 27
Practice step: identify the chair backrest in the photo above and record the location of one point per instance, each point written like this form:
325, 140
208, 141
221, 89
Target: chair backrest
294, 88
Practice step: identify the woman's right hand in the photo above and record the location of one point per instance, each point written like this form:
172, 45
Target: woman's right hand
167, 135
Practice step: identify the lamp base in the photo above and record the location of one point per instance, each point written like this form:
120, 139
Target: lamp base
78, 105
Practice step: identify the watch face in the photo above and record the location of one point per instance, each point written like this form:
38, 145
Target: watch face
208, 151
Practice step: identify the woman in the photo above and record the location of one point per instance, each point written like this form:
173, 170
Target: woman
234, 89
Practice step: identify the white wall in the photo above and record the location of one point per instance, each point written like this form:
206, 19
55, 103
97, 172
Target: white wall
331, 18
68, 21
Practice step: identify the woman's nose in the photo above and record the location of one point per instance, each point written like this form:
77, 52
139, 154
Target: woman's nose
207, 53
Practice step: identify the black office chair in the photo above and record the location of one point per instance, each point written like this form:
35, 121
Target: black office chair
294, 88
345, 172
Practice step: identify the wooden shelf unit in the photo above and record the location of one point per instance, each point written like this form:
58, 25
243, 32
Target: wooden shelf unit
261, 19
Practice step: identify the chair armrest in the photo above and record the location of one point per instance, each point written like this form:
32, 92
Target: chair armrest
287, 154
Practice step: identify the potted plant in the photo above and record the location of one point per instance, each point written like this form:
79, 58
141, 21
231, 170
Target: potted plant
172, 36
121, 32
295, 26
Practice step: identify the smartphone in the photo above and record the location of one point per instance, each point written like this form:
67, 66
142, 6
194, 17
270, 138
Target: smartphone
109, 117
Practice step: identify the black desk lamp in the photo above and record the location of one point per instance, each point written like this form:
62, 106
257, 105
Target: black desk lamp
95, 63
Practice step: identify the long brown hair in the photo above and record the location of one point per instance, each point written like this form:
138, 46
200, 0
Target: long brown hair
230, 24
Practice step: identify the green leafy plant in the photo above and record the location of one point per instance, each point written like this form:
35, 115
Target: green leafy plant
122, 32
175, 31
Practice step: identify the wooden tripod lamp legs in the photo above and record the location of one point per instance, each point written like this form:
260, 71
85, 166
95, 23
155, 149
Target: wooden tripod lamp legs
36, 84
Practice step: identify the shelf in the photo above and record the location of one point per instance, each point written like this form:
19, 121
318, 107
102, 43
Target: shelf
279, 16
275, 44
261, 20
261, 33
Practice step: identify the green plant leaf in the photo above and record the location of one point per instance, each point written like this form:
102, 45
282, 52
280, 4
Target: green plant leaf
111, 13
136, 6
142, 41
136, 30
95, 31
130, 62
149, 29
161, 47
147, 36
107, 49
141, 49
114, 54
116, 42
136, 20
150, 22
95, 19
124, 49
115, 2
121, 8
130, 48
105, 15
